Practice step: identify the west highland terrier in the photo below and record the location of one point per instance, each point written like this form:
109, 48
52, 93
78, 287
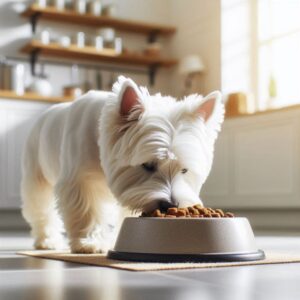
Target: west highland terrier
145, 151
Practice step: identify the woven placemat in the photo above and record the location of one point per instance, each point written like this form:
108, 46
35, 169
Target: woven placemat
102, 261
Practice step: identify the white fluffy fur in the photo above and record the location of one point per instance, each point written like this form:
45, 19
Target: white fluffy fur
81, 156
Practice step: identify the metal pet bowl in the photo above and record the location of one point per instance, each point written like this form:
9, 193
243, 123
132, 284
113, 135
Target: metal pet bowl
186, 240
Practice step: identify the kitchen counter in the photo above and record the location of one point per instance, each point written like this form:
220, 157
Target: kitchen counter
35, 97
264, 112
32, 97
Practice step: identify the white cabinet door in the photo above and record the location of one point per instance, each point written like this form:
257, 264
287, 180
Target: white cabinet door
217, 185
16, 119
257, 163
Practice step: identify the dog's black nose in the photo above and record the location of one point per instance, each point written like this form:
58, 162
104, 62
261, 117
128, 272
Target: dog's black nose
164, 205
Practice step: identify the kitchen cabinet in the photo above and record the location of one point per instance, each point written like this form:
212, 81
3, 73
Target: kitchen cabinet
16, 119
256, 170
257, 162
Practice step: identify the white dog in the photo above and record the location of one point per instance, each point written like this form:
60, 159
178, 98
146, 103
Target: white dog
145, 151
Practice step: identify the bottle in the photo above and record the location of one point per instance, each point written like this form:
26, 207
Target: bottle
59, 4
41, 3
99, 43
19, 79
80, 39
80, 6
118, 45
272, 87
95, 7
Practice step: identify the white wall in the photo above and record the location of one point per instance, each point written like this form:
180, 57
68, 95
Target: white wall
198, 23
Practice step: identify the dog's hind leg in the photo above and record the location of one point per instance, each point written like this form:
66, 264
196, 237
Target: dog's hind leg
40, 212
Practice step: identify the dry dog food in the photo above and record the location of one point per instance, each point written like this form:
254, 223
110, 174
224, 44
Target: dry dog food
196, 211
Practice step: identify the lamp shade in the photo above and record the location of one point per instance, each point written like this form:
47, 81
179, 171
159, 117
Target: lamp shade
191, 64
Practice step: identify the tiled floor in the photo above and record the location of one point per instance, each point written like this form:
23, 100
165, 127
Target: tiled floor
32, 278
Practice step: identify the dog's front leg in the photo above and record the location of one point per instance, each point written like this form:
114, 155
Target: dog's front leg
80, 203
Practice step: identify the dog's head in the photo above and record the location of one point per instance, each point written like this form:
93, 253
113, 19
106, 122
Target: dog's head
156, 150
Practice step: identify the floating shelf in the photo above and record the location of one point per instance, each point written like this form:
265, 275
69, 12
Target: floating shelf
35, 48
90, 53
69, 16
33, 97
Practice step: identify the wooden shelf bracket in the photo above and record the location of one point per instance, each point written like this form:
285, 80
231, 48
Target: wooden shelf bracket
33, 21
33, 60
152, 37
152, 73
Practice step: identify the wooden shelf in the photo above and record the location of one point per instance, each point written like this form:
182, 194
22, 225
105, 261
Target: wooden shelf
68, 16
33, 97
90, 53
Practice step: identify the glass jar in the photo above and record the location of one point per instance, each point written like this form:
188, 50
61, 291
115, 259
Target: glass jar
45, 36
108, 35
65, 41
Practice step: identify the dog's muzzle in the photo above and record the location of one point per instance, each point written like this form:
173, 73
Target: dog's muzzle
164, 205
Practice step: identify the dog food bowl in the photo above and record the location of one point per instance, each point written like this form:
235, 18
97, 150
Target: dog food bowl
186, 240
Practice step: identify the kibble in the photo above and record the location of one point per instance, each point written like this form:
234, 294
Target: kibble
196, 211
215, 215
229, 215
170, 216
220, 212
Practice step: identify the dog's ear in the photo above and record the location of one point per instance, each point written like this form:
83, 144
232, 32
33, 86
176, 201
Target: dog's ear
129, 97
210, 105
129, 100
211, 109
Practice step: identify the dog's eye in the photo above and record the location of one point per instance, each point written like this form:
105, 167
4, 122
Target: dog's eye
183, 171
150, 167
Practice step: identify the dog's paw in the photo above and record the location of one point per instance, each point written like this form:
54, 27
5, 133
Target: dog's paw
88, 247
84, 248
50, 243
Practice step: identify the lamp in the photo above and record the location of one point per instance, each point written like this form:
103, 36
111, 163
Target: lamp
190, 66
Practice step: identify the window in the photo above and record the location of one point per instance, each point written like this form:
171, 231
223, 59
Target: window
261, 50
